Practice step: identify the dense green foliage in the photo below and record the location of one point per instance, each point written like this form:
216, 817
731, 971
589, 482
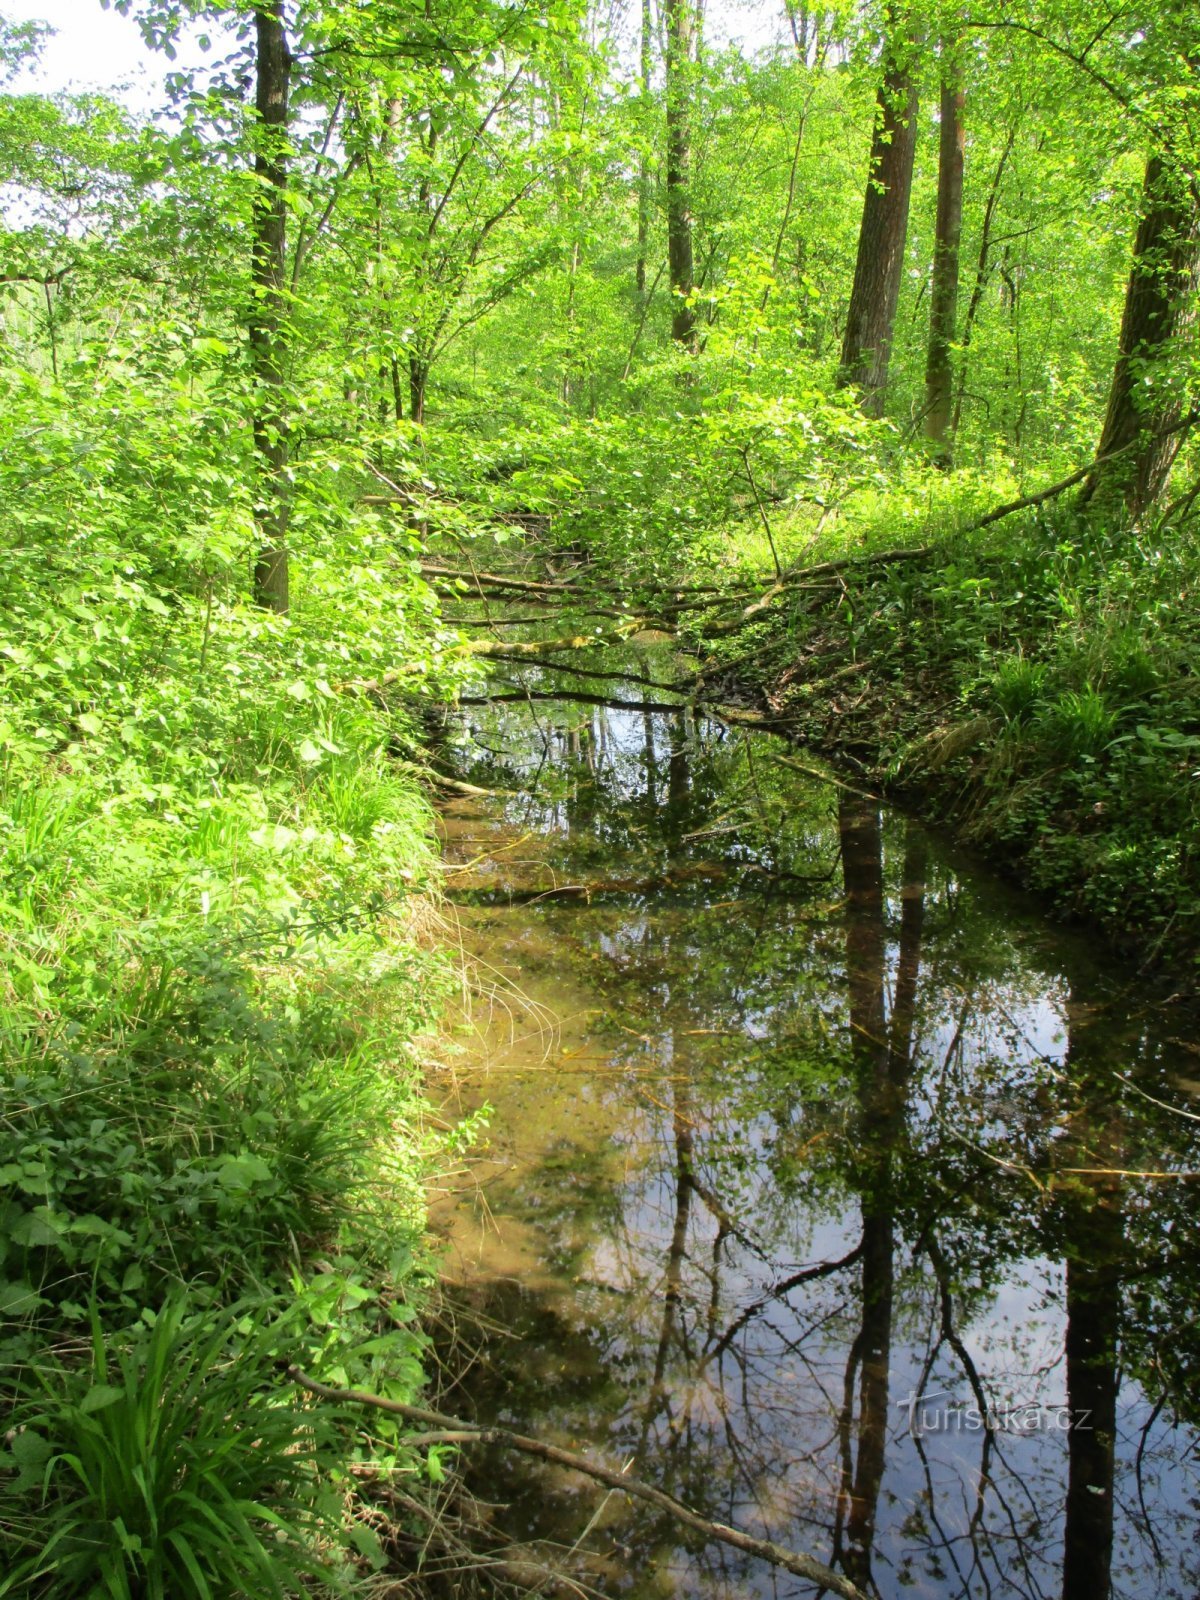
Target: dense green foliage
401, 288
214, 969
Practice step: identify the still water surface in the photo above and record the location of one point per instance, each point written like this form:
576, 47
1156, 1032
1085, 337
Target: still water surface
827, 1187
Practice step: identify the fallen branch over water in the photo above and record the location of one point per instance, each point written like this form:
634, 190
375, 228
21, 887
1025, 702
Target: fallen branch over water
454, 1430
493, 580
619, 675
570, 641
576, 696
706, 871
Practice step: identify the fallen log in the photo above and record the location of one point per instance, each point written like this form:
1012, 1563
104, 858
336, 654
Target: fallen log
444, 1429
494, 580
617, 676
500, 647
700, 871
570, 641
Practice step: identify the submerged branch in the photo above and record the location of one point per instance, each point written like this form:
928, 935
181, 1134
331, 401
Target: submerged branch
577, 696
796, 1561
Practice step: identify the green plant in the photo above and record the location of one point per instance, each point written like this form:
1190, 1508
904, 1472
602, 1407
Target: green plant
170, 1465
1018, 687
1080, 722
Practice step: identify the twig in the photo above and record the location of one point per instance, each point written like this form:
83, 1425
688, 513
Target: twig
822, 775
796, 1561
766, 521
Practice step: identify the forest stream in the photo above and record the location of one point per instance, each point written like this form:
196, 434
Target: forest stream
826, 1186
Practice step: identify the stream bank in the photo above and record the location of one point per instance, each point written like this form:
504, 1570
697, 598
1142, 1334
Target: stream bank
828, 1185
1040, 698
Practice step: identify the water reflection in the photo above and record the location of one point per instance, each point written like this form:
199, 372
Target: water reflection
837, 1195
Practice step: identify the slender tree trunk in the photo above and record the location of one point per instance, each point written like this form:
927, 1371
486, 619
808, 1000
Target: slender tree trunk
681, 32
268, 330
982, 271
1159, 308
389, 366
1096, 1251
943, 305
643, 236
866, 348
866, 969
418, 378
419, 361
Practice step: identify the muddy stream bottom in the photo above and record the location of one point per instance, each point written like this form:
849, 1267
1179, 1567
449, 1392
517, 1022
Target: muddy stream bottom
825, 1186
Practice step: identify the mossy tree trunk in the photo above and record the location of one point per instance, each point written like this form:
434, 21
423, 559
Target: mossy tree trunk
1160, 306
943, 308
681, 33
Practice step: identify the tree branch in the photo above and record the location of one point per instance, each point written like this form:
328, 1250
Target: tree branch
462, 1432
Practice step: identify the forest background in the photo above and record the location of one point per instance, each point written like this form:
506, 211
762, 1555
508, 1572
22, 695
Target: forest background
556, 281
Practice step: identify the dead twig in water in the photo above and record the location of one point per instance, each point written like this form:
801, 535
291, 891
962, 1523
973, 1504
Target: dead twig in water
464, 1432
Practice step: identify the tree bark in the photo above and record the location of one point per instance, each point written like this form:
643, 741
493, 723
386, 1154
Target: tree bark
681, 30
943, 305
1159, 308
418, 378
866, 348
267, 325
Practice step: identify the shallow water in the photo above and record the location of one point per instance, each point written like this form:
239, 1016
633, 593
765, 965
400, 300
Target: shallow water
828, 1187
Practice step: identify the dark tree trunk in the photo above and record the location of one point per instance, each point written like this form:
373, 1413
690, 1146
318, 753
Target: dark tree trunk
1096, 1252
881, 1101
1159, 306
943, 303
268, 327
866, 348
644, 158
389, 369
418, 378
681, 28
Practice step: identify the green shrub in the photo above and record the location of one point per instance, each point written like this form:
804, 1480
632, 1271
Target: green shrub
1080, 722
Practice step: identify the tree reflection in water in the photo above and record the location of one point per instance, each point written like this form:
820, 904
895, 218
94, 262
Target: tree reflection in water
851, 1133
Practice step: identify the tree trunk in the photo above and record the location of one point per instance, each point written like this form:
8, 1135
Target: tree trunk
861, 838
943, 304
268, 331
1093, 1226
643, 235
982, 272
1159, 307
389, 368
418, 378
866, 348
681, 28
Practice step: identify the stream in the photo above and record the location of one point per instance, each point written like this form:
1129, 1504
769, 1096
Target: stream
826, 1185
